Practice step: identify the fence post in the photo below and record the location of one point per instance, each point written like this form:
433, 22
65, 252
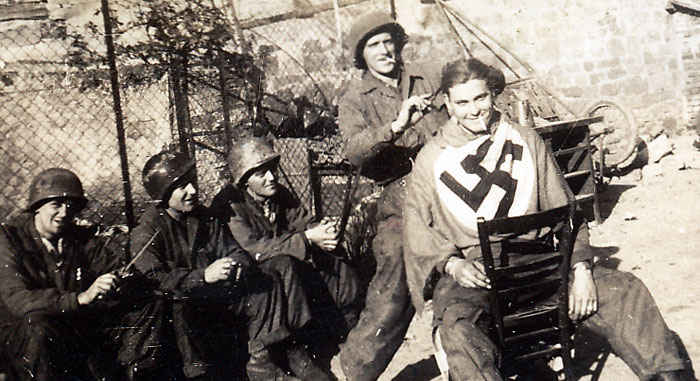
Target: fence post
178, 78
119, 117
177, 74
224, 101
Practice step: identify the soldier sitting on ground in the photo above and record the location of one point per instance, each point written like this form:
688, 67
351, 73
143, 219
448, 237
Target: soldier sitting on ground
268, 220
57, 287
220, 296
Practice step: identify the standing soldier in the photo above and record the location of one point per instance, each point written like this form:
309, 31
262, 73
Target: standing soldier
53, 276
215, 284
384, 120
267, 220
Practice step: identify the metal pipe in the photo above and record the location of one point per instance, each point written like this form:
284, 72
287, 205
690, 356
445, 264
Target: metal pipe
461, 42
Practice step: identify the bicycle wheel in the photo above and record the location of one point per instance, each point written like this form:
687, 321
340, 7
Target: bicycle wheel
615, 138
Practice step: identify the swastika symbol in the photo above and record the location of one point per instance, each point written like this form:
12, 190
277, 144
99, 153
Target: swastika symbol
472, 165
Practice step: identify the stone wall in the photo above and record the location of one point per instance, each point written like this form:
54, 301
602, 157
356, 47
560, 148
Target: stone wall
687, 31
627, 51
633, 52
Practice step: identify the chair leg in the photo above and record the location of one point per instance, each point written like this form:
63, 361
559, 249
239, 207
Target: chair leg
568, 363
440, 355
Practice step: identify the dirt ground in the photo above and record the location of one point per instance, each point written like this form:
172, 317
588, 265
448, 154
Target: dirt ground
651, 228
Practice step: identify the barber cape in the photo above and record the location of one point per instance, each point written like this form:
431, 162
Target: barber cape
459, 176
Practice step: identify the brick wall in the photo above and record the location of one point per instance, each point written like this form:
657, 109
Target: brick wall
687, 31
628, 51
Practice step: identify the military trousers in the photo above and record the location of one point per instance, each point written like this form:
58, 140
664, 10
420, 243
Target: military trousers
260, 310
40, 347
627, 317
388, 310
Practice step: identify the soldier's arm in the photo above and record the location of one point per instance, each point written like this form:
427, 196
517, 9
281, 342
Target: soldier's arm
362, 141
262, 247
156, 266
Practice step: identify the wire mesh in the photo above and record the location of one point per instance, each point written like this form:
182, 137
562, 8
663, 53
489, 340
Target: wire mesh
306, 68
56, 106
47, 120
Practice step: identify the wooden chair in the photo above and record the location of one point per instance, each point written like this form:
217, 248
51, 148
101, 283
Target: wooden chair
530, 289
529, 294
570, 142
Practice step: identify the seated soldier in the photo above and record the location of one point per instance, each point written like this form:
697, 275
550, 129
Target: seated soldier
267, 220
218, 291
53, 277
481, 164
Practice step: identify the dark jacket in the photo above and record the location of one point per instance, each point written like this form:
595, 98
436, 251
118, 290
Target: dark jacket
256, 233
179, 254
32, 279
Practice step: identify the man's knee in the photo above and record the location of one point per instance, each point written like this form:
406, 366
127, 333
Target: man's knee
348, 284
42, 328
613, 285
614, 277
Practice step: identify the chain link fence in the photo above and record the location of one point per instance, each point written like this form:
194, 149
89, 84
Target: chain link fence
49, 120
56, 105
306, 67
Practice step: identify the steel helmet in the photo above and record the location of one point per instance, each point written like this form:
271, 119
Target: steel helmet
368, 25
248, 155
164, 170
55, 183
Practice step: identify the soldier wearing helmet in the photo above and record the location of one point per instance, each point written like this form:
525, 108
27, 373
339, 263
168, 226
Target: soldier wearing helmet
385, 117
53, 276
268, 221
194, 258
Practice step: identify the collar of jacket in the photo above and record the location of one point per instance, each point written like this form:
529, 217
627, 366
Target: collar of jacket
31, 239
258, 208
410, 74
192, 222
371, 83
453, 135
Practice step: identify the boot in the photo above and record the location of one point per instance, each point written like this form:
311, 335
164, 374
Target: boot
260, 367
303, 366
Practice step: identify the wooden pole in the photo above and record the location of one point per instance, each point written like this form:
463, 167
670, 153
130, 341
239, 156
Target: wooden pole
301, 13
118, 116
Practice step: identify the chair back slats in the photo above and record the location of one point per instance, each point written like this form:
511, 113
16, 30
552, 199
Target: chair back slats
529, 282
526, 246
531, 321
548, 334
526, 223
515, 298
553, 351
537, 264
